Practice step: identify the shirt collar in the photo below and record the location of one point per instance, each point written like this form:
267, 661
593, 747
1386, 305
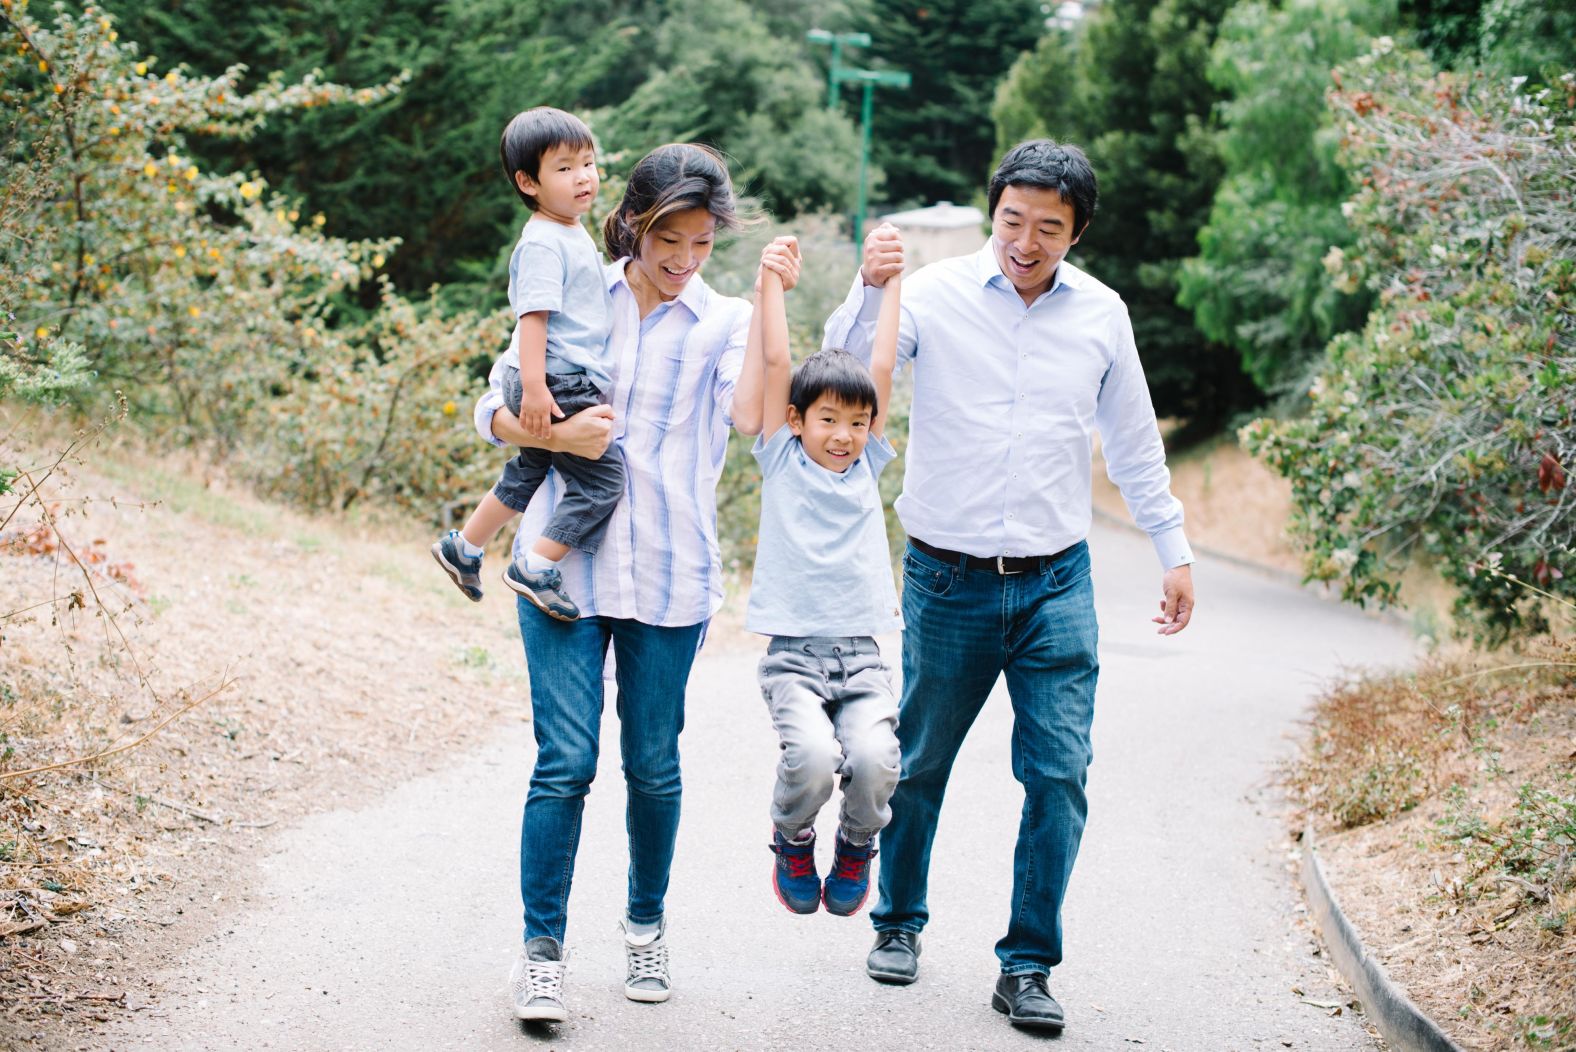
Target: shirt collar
696, 294
986, 267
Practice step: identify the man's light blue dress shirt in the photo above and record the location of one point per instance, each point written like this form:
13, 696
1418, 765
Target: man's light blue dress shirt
1006, 400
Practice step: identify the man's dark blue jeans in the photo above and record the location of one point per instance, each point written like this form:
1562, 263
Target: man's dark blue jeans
964, 626
565, 661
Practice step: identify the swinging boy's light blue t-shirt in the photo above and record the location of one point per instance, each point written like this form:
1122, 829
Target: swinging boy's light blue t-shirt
822, 567
555, 268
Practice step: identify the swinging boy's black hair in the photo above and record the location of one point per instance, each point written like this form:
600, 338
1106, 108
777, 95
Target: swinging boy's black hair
836, 374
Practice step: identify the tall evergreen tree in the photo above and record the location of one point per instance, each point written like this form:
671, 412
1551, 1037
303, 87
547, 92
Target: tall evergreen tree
1259, 281
1145, 108
424, 165
936, 141
747, 91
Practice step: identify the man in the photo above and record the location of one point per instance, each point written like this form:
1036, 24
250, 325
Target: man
1018, 356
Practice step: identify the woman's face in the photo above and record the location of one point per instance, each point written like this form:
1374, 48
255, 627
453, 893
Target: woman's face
674, 250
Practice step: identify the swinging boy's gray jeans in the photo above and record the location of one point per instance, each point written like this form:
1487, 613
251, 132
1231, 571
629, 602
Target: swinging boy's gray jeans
831, 701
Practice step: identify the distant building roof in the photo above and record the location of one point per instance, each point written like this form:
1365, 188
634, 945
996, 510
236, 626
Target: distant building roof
943, 215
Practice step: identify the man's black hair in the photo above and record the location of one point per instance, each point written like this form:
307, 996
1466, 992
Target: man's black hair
1049, 165
531, 134
835, 374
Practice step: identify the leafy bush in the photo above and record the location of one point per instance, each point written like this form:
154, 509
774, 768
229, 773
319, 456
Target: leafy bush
1447, 427
209, 300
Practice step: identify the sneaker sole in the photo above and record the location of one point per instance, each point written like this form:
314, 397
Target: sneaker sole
790, 907
649, 997
544, 1014
531, 597
850, 911
998, 1002
454, 574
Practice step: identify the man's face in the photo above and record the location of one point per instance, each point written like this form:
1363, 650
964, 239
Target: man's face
1031, 231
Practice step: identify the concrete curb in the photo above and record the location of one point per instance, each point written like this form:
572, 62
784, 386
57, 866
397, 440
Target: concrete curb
1401, 1022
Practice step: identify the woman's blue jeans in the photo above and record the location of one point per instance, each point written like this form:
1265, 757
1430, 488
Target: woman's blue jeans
962, 629
565, 661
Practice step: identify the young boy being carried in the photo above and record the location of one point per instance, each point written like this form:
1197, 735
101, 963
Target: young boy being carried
822, 590
557, 364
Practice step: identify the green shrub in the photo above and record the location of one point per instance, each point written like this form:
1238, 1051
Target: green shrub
1447, 427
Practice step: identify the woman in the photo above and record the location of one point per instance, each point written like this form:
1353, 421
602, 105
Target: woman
657, 578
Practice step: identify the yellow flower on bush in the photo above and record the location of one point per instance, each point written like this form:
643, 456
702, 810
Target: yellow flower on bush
191, 175
449, 409
180, 251
141, 68
41, 332
194, 311
250, 190
317, 220
377, 260
150, 169
171, 77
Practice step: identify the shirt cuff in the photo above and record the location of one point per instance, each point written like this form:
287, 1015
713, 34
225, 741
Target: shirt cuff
1172, 547
487, 405
869, 300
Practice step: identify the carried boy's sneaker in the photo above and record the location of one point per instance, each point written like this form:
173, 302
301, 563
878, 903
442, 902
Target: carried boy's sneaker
647, 958
545, 589
794, 878
848, 885
466, 573
536, 983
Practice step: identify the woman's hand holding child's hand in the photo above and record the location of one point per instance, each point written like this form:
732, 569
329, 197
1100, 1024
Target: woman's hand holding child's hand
781, 257
537, 410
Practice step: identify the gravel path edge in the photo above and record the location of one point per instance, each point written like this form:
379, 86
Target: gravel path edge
1402, 1023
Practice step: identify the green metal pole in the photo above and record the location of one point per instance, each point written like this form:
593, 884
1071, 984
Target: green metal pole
864, 164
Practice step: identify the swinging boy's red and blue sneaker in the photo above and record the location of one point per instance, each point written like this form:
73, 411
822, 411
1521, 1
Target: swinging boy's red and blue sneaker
794, 878
848, 885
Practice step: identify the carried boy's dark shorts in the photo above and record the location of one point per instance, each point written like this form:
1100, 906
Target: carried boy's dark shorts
591, 487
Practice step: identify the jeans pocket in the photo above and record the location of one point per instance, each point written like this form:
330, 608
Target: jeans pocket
932, 580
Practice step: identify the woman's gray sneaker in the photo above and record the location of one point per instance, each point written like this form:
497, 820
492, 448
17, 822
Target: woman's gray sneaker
466, 573
536, 983
647, 957
545, 589
894, 958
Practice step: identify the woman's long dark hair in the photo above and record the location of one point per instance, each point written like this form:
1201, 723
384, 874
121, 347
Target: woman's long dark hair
672, 178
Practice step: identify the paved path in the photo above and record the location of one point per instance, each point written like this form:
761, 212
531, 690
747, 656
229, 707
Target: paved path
393, 927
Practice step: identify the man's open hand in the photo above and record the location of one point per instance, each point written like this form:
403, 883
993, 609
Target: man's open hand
1176, 609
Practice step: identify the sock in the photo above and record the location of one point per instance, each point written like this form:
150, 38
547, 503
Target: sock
537, 563
850, 841
642, 934
803, 837
469, 550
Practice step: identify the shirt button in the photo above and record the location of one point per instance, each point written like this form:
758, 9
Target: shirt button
1012, 515
1014, 474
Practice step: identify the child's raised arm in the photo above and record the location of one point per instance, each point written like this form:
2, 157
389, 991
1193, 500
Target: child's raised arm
883, 350
750, 393
777, 372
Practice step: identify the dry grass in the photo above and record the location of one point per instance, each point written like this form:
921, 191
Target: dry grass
305, 662
1449, 799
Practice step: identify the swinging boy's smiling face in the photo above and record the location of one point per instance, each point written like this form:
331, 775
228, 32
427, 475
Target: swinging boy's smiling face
833, 433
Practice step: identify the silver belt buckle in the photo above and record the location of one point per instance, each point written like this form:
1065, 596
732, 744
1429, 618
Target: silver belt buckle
1001, 567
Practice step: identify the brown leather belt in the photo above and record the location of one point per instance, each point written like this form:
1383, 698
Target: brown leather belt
998, 564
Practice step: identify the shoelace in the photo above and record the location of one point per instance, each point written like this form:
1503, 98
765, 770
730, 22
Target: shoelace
647, 962
540, 979
799, 865
850, 867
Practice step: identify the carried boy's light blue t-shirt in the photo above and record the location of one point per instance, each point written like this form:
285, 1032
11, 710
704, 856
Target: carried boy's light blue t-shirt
821, 565
555, 268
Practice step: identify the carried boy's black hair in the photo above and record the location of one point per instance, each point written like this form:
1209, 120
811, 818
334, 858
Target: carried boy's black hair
531, 134
1049, 165
836, 374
